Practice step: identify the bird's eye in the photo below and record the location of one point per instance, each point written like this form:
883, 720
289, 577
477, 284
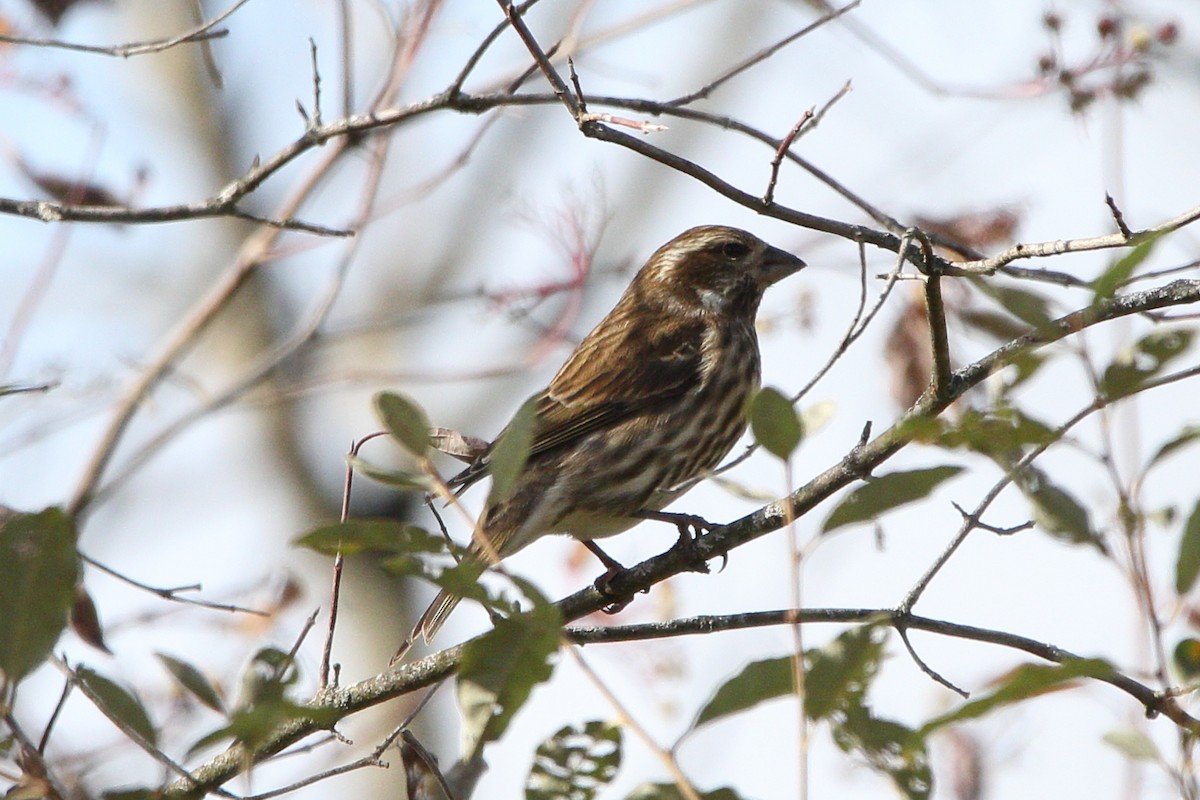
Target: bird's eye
735, 250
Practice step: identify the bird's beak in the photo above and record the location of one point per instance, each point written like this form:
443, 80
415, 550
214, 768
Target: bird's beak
776, 265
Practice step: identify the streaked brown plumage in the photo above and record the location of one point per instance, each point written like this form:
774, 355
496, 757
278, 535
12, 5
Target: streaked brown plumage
654, 396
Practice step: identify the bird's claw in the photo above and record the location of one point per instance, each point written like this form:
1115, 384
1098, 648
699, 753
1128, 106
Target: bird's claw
690, 527
616, 603
691, 554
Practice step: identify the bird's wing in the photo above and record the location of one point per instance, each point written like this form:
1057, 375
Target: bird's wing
614, 376
616, 373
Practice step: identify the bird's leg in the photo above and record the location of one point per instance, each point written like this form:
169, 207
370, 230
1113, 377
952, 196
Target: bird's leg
612, 567
608, 561
689, 526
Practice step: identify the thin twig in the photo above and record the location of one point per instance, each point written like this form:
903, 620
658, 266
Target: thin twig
186, 333
201, 33
784, 146
971, 520
172, 593
760, 56
126, 729
303, 332
335, 591
1046, 249
1152, 701
812, 120
58, 707
1117, 216
933, 674
561, 91
346, 42
316, 82
665, 756
373, 759
935, 315
36, 758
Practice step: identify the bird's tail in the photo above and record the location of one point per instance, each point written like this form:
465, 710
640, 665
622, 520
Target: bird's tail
430, 622
477, 557
435, 616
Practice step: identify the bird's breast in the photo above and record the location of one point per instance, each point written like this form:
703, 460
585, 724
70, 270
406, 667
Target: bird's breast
710, 424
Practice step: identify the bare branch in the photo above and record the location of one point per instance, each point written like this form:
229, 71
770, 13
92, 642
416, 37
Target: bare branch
1117, 216
939, 339
407, 678
876, 451
761, 56
1153, 701
988, 266
784, 146
126, 729
201, 33
171, 593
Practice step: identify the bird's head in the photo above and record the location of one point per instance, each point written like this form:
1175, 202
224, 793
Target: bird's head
716, 269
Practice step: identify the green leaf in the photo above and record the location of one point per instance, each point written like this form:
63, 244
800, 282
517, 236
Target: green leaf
367, 535
1029, 307
1022, 683
1000, 327
500, 668
670, 791
758, 682
1164, 346
404, 548
1146, 359
1119, 273
194, 681
508, 456
140, 793
408, 481
463, 580
263, 707
1001, 433
840, 673
38, 572
1055, 511
117, 703
889, 748
1187, 436
842, 668
405, 420
775, 424
1187, 658
1135, 744
1188, 564
575, 763
1025, 366
266, 678
255, 725
885, 493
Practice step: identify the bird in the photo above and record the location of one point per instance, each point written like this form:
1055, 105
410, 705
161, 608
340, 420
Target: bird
650, 400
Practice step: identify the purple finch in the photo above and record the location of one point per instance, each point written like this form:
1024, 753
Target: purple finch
655, 396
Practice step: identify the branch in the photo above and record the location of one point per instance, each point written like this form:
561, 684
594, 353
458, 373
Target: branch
873, 453
939, 339
406, 678
201, 33
1126, 238
1154, 702
397, 682
761, 55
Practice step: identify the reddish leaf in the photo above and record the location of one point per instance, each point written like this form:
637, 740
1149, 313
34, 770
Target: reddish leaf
85, 621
